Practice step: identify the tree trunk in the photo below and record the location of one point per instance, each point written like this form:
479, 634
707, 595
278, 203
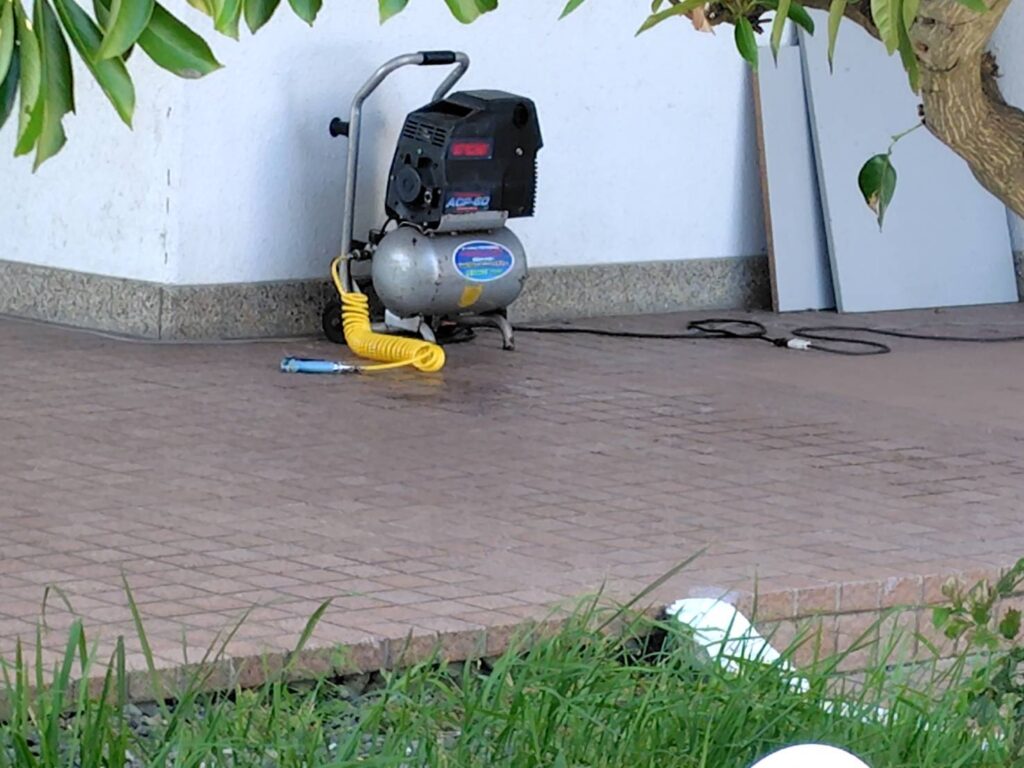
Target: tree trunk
962, 103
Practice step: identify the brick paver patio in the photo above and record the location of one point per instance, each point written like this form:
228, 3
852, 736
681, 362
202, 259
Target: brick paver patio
457, 505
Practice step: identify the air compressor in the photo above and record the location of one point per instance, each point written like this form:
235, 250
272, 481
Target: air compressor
444, 260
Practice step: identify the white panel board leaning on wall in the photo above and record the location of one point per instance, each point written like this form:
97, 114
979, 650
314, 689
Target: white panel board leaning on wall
946, 241
801, 276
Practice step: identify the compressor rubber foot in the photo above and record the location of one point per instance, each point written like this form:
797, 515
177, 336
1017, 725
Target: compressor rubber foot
508, 339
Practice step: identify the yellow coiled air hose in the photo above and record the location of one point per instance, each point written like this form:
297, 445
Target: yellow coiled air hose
392, 351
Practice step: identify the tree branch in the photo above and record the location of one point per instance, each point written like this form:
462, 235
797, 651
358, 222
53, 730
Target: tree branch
858, 12
962, 103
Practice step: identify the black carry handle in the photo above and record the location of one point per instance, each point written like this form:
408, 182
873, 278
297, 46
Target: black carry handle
433, 58
338, 127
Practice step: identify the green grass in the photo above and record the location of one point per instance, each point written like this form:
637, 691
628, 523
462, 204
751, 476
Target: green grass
582, 697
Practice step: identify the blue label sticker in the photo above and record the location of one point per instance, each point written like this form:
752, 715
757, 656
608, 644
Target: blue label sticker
482, 261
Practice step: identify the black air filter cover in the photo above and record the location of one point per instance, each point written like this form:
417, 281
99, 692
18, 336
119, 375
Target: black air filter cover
474, 151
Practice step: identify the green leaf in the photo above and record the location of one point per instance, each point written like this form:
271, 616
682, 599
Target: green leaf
1009, 627
467, 11
956, 628
30, 83
951, 590
1011, 580
835, 16
389, 8
885, 13
985, 710
908, 56
572, 5
797, 13
656, 5
984, 638
258, 12
940, 616
746, 43
978, 6
778, 25
203, 6
111, 74
306, 9
6, 37
58, 85
175, 47
226, 16
9, 90
686, 6
127, 20
877, 181
311, 624
910, 9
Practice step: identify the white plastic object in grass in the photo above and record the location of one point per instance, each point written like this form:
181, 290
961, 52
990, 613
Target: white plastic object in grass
810, 756
728, 636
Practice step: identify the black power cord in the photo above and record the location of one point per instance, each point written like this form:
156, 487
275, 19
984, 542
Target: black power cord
821, 338
820, 333
723, 328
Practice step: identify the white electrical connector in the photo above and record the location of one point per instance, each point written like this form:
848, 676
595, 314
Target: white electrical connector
798, 344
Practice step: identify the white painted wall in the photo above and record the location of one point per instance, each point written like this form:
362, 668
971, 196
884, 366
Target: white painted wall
1008, 45
106, 203
649, 151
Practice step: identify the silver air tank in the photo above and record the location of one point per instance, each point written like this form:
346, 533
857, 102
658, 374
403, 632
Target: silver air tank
448, 274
